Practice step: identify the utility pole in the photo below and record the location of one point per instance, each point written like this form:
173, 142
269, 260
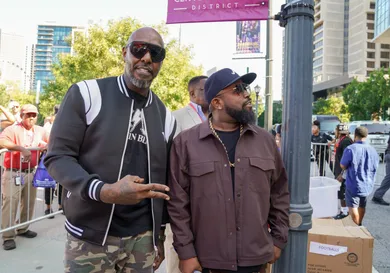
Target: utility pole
268, 75
180, 36
297, 17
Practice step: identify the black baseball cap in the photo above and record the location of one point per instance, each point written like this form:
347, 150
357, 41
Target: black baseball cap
222, 79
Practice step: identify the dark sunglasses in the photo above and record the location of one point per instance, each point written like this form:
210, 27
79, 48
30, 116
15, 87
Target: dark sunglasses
239, 89
139, 49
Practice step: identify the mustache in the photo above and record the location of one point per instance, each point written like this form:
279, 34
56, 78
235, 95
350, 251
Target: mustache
249, 101
148, 68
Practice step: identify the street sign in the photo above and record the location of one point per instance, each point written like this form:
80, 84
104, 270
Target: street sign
191, 11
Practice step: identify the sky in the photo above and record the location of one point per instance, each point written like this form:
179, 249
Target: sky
213, 43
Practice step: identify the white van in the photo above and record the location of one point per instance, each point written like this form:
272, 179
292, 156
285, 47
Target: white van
378, 133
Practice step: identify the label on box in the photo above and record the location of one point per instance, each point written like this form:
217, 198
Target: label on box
328, 250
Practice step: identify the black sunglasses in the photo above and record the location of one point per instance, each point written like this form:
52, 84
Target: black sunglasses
139, 49
239, 89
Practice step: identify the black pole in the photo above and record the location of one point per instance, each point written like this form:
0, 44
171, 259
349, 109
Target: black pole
297, 17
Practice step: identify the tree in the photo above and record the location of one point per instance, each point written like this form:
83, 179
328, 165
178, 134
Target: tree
332, 106
277, 108
14, 93
99, 54
370, 97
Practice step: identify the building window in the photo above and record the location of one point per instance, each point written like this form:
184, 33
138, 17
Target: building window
372, 5
370, 26
317, 62
318, 36
318, 53
317, 70
385, 55
371, 55
371, 45
385, 46
371, 64
370, 36
318, 44
385, 64
318, 29
370, 16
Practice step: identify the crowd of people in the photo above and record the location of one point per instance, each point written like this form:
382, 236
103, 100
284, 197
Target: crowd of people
26, 141
202, 186
354, 163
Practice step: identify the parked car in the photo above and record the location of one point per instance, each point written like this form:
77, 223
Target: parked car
378, 133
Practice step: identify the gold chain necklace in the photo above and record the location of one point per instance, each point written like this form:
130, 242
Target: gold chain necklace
231, 165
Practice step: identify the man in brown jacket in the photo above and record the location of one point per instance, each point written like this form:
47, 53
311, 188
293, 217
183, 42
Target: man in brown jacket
228, 186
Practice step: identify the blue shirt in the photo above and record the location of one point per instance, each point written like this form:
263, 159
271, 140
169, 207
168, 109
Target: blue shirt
199, 111
361, 161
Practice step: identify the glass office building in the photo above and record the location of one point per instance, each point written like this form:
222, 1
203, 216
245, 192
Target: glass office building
382, 22
52, 40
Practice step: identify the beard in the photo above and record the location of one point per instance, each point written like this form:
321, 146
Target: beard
141, 84
242, 116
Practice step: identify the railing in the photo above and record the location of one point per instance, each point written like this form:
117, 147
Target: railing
323, 156
19, 196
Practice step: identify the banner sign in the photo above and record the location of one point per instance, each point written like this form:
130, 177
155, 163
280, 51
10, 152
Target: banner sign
191, 11
248, 37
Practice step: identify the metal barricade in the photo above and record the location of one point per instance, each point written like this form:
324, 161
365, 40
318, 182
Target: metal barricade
323, 159
20, 199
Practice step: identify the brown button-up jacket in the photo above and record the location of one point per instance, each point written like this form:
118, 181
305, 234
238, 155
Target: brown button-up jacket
226, 229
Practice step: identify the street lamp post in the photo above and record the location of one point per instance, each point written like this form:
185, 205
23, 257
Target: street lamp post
257, 91
297, 17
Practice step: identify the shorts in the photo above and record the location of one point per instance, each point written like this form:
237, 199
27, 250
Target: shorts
355, 201
341, 192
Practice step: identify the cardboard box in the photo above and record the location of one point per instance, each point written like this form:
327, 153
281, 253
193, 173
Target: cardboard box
339, 246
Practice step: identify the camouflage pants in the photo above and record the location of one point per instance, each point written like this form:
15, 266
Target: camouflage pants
133, 254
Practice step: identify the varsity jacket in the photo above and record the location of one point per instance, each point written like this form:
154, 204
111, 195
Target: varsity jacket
87, 148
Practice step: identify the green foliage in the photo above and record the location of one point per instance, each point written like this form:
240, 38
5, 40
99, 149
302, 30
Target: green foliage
368, 98
99, 54
277, 108
332, 106
14, 93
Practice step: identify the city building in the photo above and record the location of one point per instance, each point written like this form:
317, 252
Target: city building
382, 22
12, 59
343, 47
31, 67
52, 40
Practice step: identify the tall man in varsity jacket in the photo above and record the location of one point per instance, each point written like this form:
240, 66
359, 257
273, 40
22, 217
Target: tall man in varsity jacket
109, 151
193, 114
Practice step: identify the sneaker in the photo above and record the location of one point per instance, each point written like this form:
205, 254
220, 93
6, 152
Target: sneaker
340, 216
380, 201
47, 212
9, 244
28, 234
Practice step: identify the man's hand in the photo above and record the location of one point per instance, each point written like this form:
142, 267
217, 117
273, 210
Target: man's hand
340, 178
189, 265
277, 253
130, 191
160, 255
26, 155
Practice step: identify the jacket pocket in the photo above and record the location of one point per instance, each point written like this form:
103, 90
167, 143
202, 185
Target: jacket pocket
260, 173
203, 179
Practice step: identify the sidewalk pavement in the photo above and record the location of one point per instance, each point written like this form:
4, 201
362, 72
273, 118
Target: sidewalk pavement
44, 254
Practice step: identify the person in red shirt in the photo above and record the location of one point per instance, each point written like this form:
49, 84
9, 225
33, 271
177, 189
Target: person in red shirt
18, 172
